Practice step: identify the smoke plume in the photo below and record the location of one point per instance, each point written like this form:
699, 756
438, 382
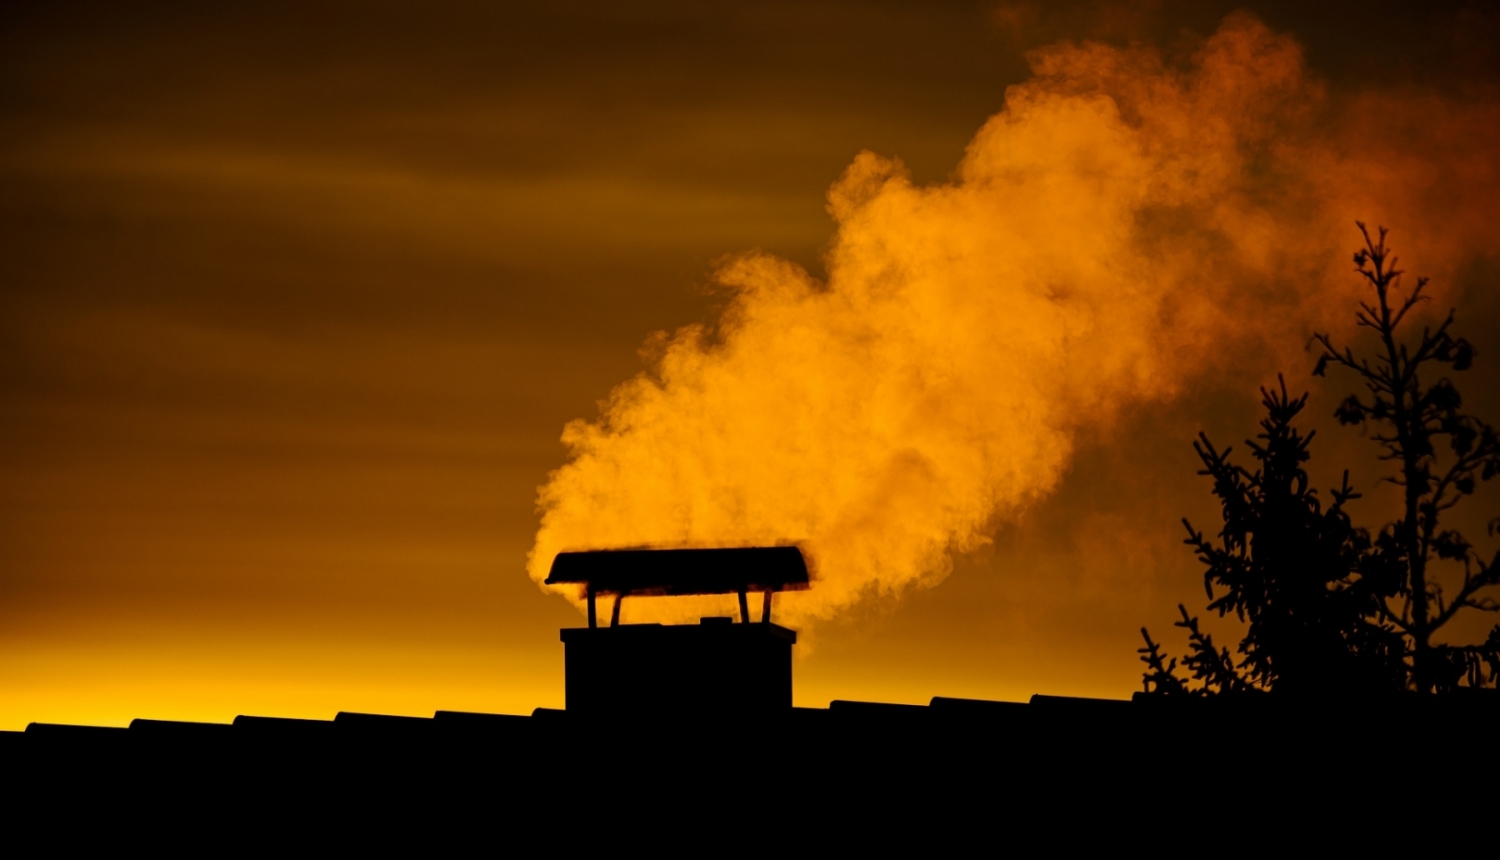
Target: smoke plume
1123, 226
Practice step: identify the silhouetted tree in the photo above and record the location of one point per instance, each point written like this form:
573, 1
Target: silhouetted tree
1414, 420
1287, 567
1328, 609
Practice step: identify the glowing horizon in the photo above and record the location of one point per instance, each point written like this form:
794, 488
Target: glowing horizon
297, 309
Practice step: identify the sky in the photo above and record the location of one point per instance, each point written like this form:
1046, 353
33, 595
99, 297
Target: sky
296, 303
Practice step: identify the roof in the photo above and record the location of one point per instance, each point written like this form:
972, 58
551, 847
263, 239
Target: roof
683, 571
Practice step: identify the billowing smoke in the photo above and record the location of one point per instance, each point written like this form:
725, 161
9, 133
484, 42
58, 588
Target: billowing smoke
1123, 226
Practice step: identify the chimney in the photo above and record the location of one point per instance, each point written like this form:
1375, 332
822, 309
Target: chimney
716, 667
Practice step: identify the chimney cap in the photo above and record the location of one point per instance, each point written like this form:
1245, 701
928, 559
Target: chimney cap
728, 570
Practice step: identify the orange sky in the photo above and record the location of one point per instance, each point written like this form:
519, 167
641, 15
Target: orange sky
296, 305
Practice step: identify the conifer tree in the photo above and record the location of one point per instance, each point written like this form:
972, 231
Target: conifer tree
1327, 608
1438, 453
1288, 567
